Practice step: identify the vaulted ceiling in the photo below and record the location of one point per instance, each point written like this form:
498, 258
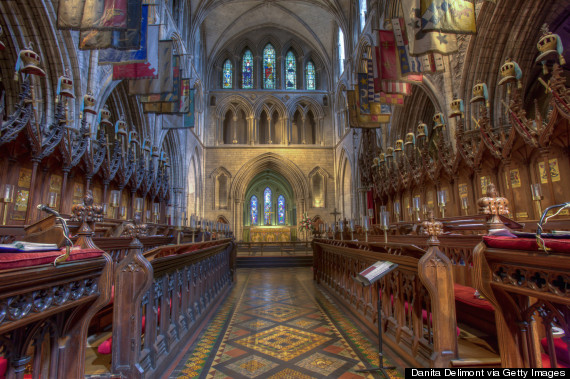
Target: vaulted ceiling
313, 20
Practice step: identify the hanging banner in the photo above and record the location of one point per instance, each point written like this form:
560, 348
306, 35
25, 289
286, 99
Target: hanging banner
163, 82
92, 14
451, 16
149, 40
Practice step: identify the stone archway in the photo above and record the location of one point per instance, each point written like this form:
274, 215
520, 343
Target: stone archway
268, 162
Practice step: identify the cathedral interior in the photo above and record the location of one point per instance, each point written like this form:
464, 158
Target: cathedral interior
280, 188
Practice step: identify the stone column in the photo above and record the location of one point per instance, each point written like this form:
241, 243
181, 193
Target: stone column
234, 128
219, 132
303, 131
250, 130
256, 130
321, 131
269, 122
285, 131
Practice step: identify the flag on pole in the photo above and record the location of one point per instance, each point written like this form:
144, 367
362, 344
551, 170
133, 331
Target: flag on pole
380, 97
149, 41
154, 76
374, 119
126, 39
451, 16
92, 14
388, 60
421, 42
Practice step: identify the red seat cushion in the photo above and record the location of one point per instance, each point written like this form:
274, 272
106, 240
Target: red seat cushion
560, 348
3, 367
546, 362
504, 242
466, 295
17, 260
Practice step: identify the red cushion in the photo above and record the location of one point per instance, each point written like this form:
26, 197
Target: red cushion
15, 260
424, 312
3, 367
105, 347
503, 242
546, 362
466, 295
561, 350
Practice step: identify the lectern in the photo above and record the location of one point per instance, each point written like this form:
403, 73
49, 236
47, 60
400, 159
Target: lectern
368, 277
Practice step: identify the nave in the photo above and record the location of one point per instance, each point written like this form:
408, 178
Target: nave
277, 324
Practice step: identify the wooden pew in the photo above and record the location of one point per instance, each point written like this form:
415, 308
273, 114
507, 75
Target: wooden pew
529, 289
417, 297
190, 280
47, 311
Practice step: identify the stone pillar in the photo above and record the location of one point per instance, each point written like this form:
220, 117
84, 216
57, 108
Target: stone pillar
362, 201
269, 122
219, 132
303, 131
234, 128
250, 130
321, 131
285, 131
256, 130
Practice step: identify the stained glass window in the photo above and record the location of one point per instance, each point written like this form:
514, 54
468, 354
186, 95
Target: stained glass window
247, 70
281, 209
253, 210
228, 74
291, 75
310, 72
267, 206
269, 67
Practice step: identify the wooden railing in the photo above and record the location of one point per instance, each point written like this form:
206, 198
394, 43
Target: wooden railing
417, 297
173, 288
255, 248
45, 312
530, 291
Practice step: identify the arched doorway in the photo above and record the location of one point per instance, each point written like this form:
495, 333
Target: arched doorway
269, 212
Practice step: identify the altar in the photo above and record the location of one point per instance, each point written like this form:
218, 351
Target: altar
270, 234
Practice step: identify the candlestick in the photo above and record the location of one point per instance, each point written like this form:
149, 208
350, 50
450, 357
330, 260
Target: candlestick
385, 224
397, 210
7, 197
417, 207
465, 204
536, 192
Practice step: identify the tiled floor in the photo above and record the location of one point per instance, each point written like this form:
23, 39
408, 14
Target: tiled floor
277, 324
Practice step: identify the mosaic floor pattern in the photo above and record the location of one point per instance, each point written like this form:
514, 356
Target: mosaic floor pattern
276, 324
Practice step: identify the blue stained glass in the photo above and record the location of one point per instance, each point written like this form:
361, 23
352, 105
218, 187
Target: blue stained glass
269, 67
247, 70
291, 75
267, 206
253, 209
281, 209
228, 74
310, 72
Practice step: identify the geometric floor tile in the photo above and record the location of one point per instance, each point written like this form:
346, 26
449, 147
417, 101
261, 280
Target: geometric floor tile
283, 342
278, 324
290, 374
252, 366
278, 312
303, 323
322, 364
257, 324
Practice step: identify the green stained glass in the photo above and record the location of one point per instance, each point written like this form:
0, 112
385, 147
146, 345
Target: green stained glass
310, 72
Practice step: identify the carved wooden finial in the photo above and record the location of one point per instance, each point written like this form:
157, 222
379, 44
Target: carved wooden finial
87, 212
493, 205
135, 229
433, 228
